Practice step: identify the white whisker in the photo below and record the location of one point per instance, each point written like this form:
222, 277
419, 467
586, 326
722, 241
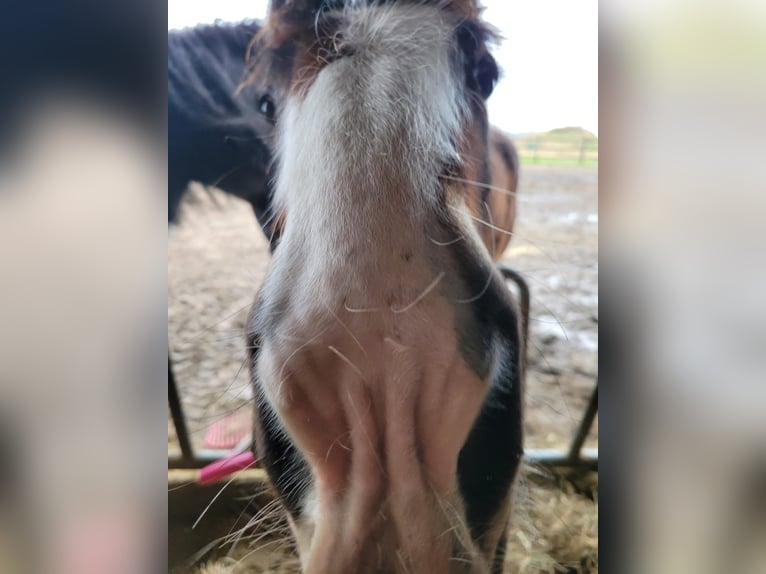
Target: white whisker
339, 443
295, 352
446, 243
423, 295
348, 361
479, 184
480, 220
361, 310
494, 238
342, 324
196, 522
491, 271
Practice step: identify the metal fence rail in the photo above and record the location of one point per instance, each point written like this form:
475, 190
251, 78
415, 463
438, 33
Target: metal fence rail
546, 150
574, 457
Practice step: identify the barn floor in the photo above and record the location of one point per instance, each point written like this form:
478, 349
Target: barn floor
217, 257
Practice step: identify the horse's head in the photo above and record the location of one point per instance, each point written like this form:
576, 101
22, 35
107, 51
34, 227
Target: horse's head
385, 346
220, 130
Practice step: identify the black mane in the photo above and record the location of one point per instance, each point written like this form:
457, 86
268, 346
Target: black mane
206, 65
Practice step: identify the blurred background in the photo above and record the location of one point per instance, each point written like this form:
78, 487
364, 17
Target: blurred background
682, 196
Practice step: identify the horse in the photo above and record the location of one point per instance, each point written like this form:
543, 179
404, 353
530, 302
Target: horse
384, 348
218, 134
221, 131
493, 204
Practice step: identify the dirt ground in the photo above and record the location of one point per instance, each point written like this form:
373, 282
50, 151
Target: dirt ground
217, 258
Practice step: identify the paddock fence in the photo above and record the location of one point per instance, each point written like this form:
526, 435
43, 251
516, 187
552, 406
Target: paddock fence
547, 150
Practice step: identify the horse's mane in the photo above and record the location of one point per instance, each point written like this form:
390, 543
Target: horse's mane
206, 65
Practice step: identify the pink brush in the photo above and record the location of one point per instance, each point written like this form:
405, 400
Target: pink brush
226, 432
222, 469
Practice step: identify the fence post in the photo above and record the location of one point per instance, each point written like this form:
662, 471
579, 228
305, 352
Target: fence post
586, 424
177, 413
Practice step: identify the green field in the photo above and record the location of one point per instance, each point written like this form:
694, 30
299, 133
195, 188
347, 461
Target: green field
558, 161
564, 146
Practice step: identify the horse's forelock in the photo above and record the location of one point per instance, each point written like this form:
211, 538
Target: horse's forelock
301, 11
293, 27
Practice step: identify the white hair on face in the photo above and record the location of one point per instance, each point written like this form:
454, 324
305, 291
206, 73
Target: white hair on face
366, 143
397, 86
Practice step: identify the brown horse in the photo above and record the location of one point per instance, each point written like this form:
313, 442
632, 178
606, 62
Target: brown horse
384, 345
494, 204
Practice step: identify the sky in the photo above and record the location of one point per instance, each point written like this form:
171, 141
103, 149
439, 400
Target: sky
549, 57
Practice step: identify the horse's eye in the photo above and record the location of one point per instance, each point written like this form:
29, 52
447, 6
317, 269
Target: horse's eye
485, 73
266, 107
